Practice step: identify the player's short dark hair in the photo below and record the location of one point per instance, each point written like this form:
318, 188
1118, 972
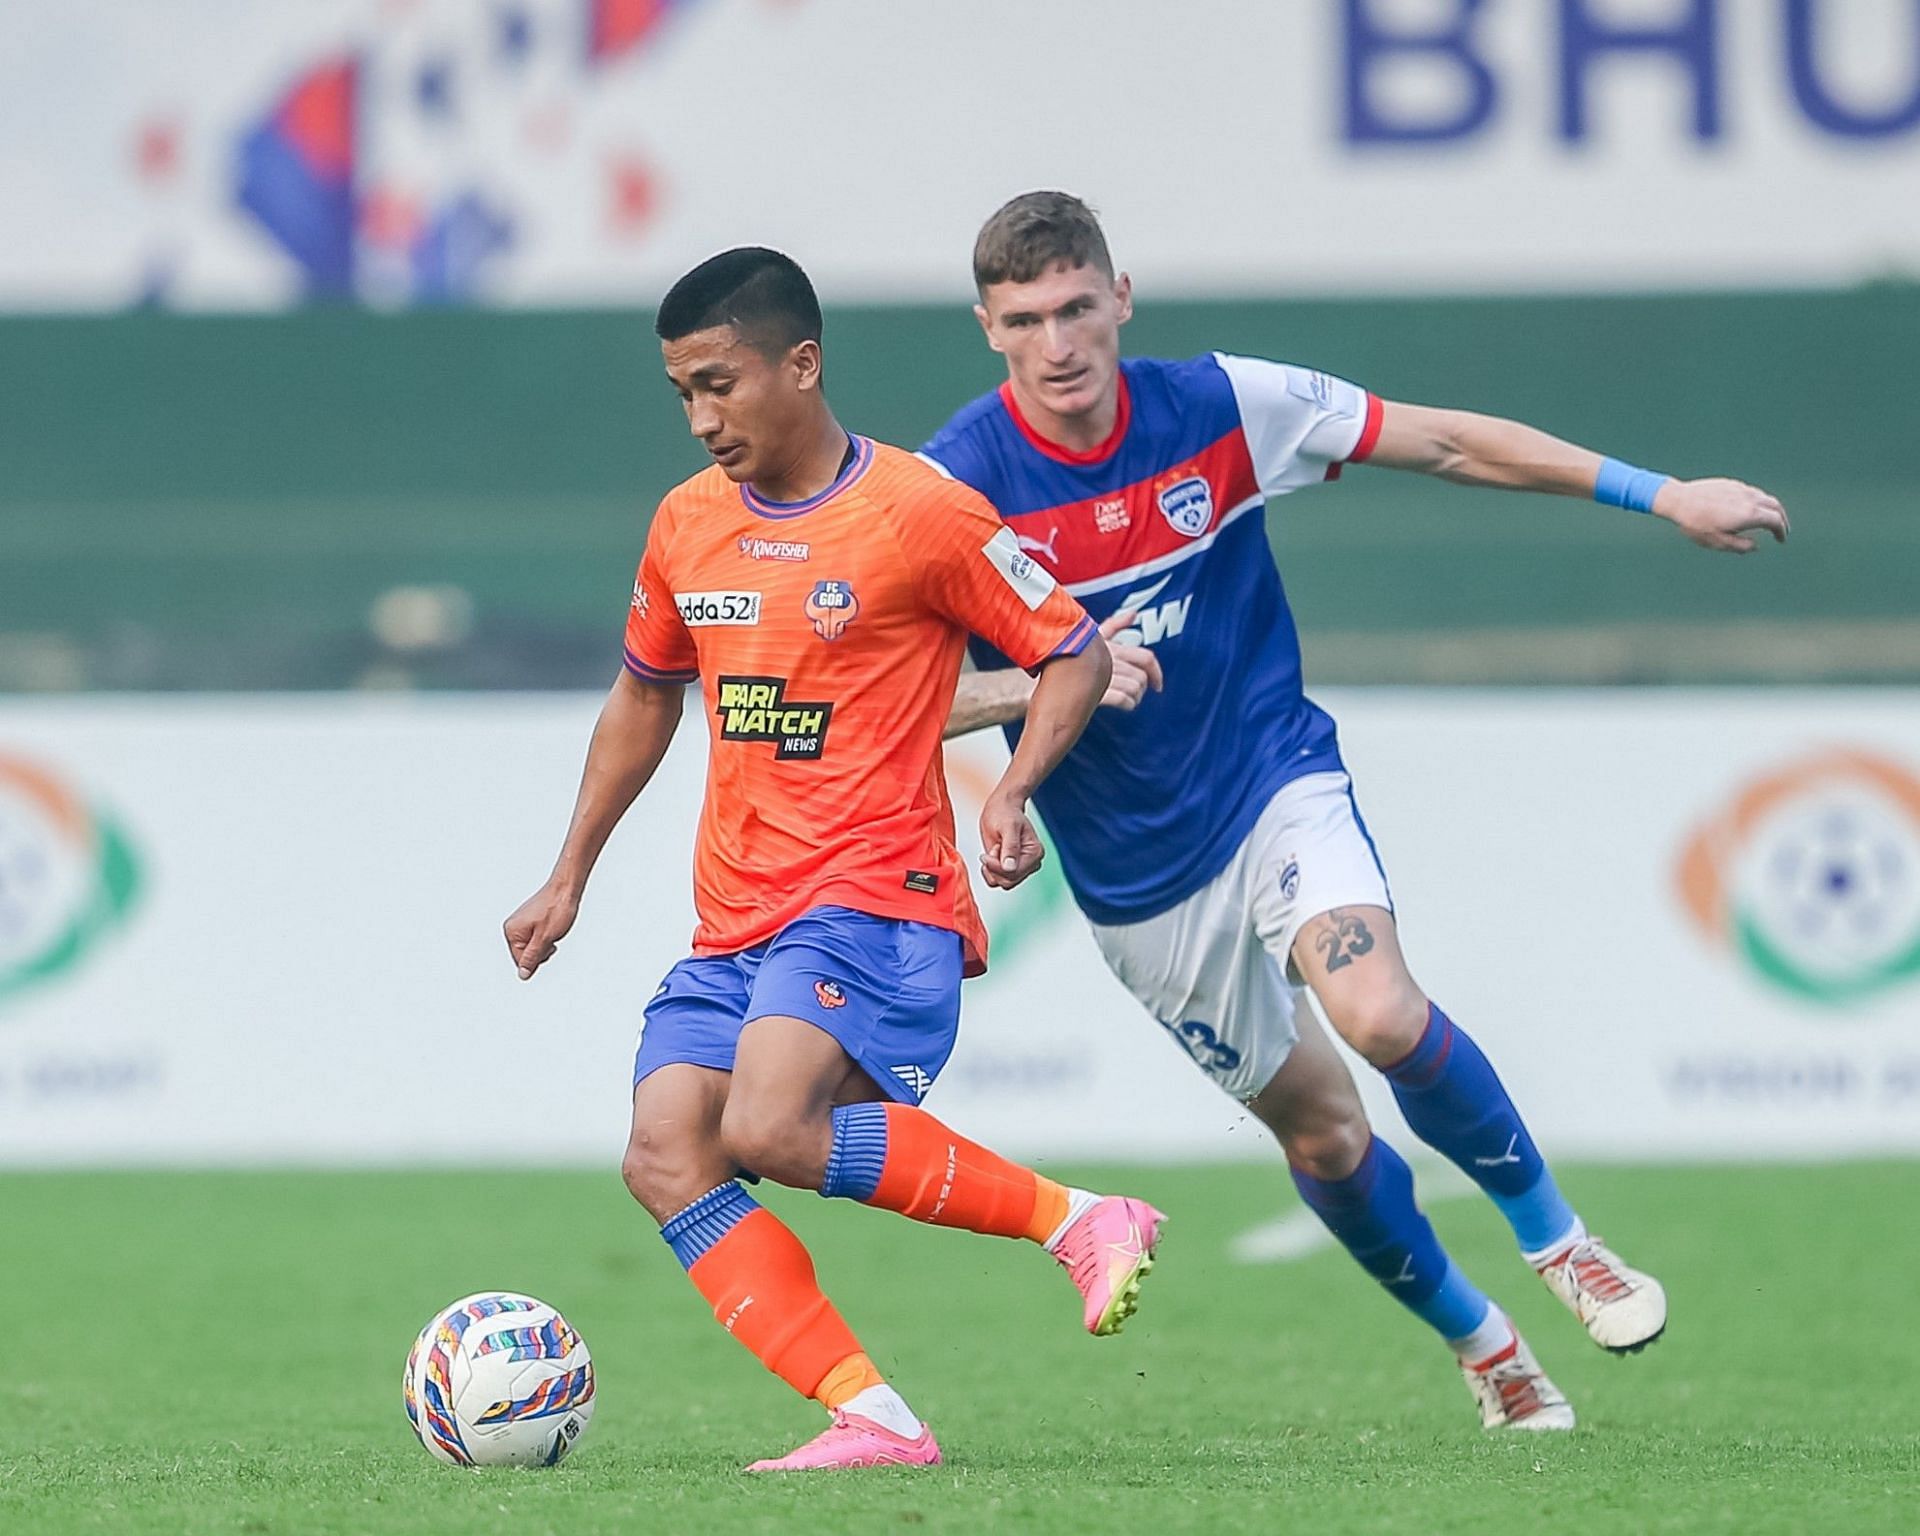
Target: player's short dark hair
1032, 232
760, 293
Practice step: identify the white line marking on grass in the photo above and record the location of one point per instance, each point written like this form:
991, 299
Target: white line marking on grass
1298, 1234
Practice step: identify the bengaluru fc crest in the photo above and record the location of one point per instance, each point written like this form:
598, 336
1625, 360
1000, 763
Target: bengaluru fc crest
1188, 505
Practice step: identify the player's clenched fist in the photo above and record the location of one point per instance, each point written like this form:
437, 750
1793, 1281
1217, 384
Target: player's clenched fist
1721, 514
1011, 849
539, 925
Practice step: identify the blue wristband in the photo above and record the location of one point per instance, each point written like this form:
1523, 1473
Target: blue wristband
1622, 485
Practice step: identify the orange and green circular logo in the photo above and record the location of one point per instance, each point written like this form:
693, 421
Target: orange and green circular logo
68, 877
1812, 876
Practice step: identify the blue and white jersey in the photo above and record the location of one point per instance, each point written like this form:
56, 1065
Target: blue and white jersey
1165, 518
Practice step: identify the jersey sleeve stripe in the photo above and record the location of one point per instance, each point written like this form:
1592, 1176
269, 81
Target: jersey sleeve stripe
651, 674
1370, 433
1076, 641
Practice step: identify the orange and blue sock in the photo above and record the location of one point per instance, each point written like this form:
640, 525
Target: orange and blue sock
900, 1158
1457, 1105
759, 1280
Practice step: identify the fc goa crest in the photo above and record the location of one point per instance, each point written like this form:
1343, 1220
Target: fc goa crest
832, 607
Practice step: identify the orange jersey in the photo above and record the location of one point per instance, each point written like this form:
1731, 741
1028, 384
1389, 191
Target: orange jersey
826, 636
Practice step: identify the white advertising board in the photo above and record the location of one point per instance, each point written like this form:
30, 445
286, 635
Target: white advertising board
1683, 924
246, 153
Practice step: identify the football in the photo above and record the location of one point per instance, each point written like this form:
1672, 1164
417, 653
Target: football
499, 1380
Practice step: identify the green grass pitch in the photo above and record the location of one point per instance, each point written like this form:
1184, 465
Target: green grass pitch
221, 1353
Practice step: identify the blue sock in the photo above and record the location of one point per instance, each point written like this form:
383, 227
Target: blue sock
1373, 1213
858, 1154
1453, 1099
694, 1230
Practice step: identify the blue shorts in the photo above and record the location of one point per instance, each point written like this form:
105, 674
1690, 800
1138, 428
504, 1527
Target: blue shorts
888, 991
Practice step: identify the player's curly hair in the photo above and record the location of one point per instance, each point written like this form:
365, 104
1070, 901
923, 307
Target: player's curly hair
1029, 234
760, 293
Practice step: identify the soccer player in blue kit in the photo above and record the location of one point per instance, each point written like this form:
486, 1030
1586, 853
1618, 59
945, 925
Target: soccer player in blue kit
1206, 824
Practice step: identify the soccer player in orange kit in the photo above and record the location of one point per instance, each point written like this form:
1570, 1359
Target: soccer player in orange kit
820, 587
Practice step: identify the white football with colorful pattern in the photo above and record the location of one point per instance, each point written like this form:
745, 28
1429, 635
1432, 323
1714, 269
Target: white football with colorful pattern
499, 1380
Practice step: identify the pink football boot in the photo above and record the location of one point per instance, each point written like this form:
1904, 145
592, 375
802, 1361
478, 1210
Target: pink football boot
1108, 1252
851, 1441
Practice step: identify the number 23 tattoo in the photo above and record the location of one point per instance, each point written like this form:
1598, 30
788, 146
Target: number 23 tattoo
1344, 942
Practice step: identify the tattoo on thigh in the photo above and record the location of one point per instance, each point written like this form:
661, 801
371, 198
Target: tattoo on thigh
1344, 940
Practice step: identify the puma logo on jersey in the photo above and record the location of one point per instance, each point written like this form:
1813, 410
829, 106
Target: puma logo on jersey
1153, 622
1042, 548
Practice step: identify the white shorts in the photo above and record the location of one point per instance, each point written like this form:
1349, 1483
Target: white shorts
1214, 969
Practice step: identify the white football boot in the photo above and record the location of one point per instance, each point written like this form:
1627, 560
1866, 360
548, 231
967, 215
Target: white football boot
1514, 1393
1623, 1309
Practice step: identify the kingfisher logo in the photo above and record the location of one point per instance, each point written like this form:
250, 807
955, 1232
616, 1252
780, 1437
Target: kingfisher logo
774, 549
1811, 876
758, 709
1188, 505
68, 877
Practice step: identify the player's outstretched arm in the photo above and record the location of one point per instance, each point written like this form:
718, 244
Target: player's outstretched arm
635, 727
1064, 699
1492, 451
995, 698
